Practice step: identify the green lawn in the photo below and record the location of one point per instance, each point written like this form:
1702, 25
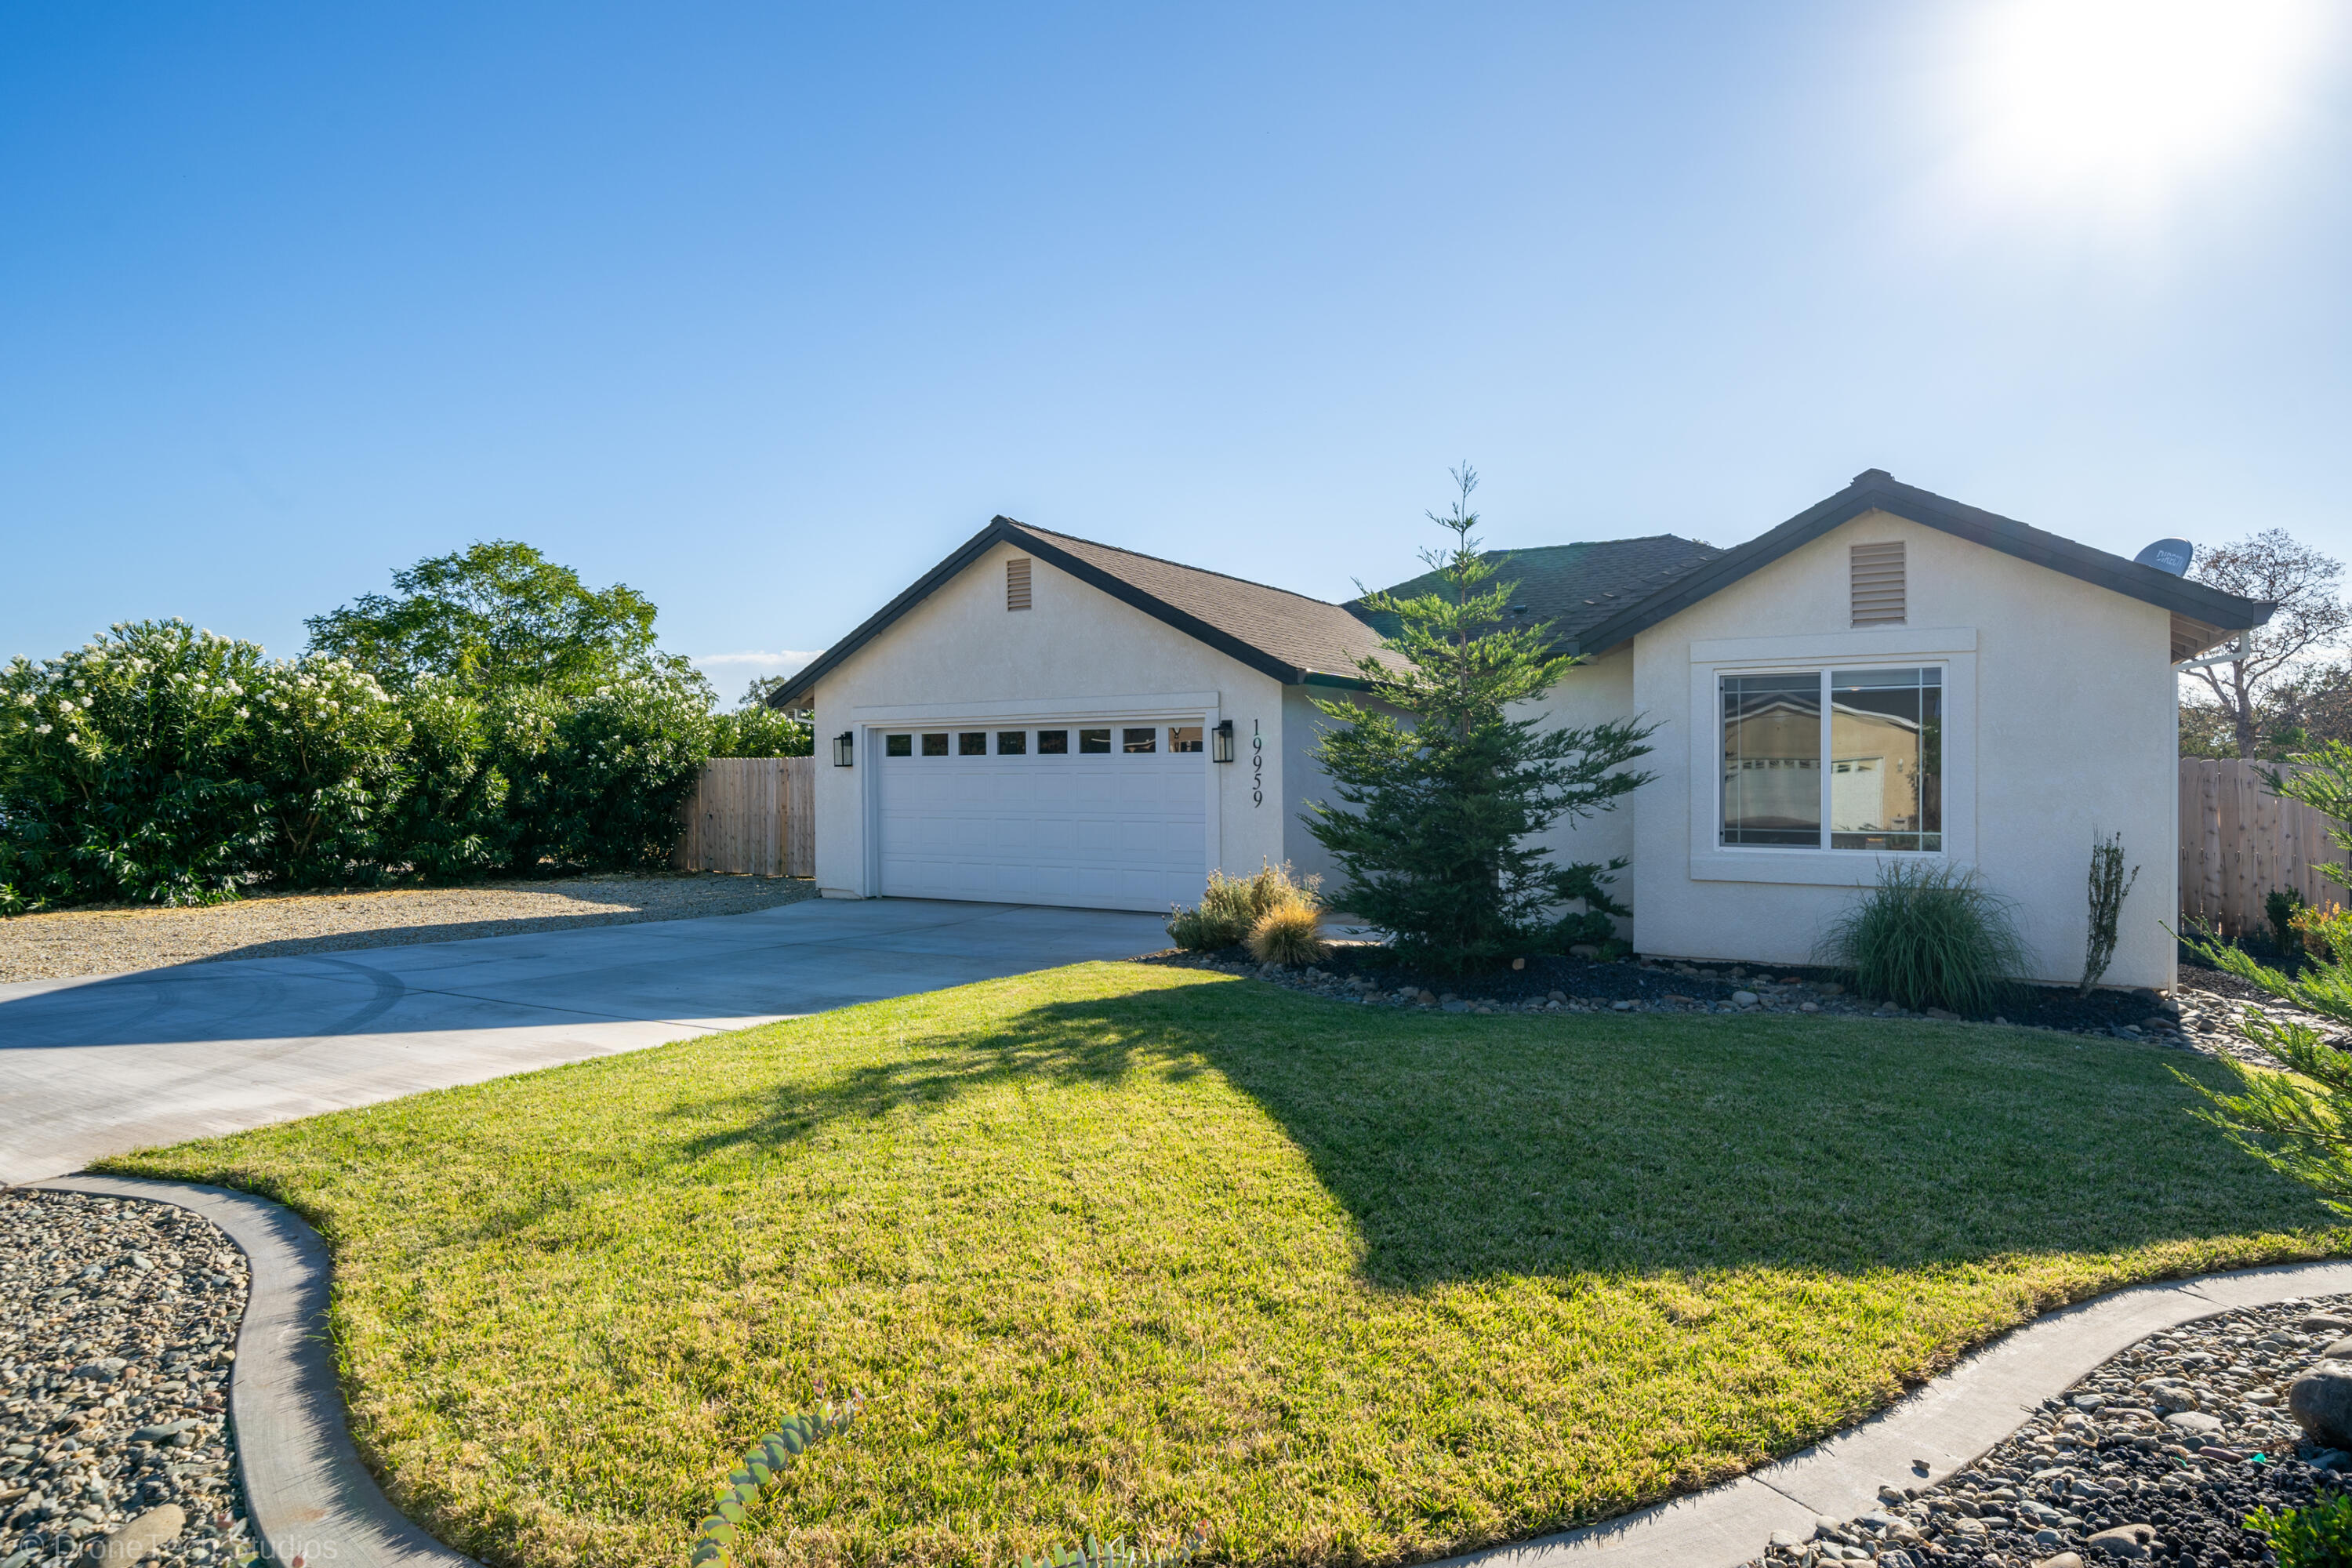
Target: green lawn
1117, 1248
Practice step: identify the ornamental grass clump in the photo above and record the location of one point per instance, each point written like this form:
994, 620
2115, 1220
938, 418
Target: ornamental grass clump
1928, 936
1232, 907
1288, 936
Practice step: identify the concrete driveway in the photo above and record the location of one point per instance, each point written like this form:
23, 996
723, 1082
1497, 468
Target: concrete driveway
97, 1067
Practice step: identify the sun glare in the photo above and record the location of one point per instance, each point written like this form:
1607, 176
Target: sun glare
2120, 102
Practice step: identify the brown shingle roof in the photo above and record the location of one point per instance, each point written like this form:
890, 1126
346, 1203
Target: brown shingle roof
1310, 636
1287, 636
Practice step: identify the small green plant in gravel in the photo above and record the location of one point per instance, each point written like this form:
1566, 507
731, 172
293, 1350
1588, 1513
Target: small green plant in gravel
2280, 907
764, 1468
2109, 889
2319, 1536
1928, 936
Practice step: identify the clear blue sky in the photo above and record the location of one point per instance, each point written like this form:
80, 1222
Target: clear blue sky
762, 310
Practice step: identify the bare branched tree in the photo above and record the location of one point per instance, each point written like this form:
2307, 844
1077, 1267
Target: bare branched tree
2303, 583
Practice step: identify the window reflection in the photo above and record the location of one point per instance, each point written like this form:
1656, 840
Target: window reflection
1772, 759
1881, 759
1886, 741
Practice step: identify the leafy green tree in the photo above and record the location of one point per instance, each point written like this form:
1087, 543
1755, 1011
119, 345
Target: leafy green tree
1442, 788
495, 615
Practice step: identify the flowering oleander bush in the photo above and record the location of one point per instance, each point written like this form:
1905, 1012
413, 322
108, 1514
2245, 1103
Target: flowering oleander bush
158, 764
164, 764
326, 747
759, 731
597, 780
450, 820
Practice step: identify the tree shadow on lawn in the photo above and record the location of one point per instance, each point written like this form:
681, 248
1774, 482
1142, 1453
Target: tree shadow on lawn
1466, 1148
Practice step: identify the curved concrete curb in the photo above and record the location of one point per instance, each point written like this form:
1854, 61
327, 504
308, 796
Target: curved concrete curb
1943, 1427
309, 1495
305, 1488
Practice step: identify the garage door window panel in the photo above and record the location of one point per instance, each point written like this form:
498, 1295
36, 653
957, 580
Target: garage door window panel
1052, 742
935, 745
1094, 743
898, 745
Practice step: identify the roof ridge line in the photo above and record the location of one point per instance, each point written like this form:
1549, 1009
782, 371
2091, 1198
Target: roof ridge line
1163, 560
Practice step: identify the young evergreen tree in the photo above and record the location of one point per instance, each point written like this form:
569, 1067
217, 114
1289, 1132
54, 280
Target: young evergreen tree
1441, 789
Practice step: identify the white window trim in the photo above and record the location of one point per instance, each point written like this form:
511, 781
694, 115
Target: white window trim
1954, 648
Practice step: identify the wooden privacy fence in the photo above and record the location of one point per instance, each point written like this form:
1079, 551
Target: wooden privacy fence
755, 815
2239, 841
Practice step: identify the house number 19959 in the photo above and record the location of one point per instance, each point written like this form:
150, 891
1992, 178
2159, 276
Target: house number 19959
1257, 766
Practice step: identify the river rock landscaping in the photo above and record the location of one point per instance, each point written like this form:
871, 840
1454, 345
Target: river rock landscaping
2199, 1016
2157, 1456
118, 1326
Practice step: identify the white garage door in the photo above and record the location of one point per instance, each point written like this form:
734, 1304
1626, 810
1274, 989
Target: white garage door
1096, 815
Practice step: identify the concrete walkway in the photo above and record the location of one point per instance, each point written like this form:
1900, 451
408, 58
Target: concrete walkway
308, 1495
97, 1067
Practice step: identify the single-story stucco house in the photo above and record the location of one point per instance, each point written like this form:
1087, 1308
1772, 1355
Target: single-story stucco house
1047, 720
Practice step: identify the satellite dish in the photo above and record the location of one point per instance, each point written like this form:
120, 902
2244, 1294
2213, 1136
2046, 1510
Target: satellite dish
2171, 555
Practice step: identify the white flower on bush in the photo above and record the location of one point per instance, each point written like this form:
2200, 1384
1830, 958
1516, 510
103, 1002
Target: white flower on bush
40, 729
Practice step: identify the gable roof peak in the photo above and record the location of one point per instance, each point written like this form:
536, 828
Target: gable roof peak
1876, 489
1288, 636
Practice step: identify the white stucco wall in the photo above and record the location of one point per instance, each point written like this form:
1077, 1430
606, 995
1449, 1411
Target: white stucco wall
960, 653
1303, 782
1597, 692
2069, 733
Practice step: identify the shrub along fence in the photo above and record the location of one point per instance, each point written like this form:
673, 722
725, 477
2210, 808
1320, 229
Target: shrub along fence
2239, 841
755, 815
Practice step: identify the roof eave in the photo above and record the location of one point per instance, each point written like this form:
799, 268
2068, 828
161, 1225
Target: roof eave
1005, 530
1875, 491
802, 686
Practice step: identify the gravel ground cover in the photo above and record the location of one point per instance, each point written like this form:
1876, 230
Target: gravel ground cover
2199, 1016
117, 1322
63, 944
2157, 1457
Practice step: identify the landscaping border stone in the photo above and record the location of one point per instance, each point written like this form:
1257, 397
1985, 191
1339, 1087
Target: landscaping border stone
313, 1503
311, 1500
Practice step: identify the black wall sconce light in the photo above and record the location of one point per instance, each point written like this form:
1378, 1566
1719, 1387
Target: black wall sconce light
1221, 741
841, 743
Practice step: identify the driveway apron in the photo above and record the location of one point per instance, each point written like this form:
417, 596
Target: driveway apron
97, 1067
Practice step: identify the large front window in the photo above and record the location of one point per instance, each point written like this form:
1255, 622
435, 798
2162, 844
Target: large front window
1858, 749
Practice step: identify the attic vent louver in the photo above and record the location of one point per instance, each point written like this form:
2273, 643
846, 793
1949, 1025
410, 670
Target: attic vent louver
1878, 597
1016, 582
